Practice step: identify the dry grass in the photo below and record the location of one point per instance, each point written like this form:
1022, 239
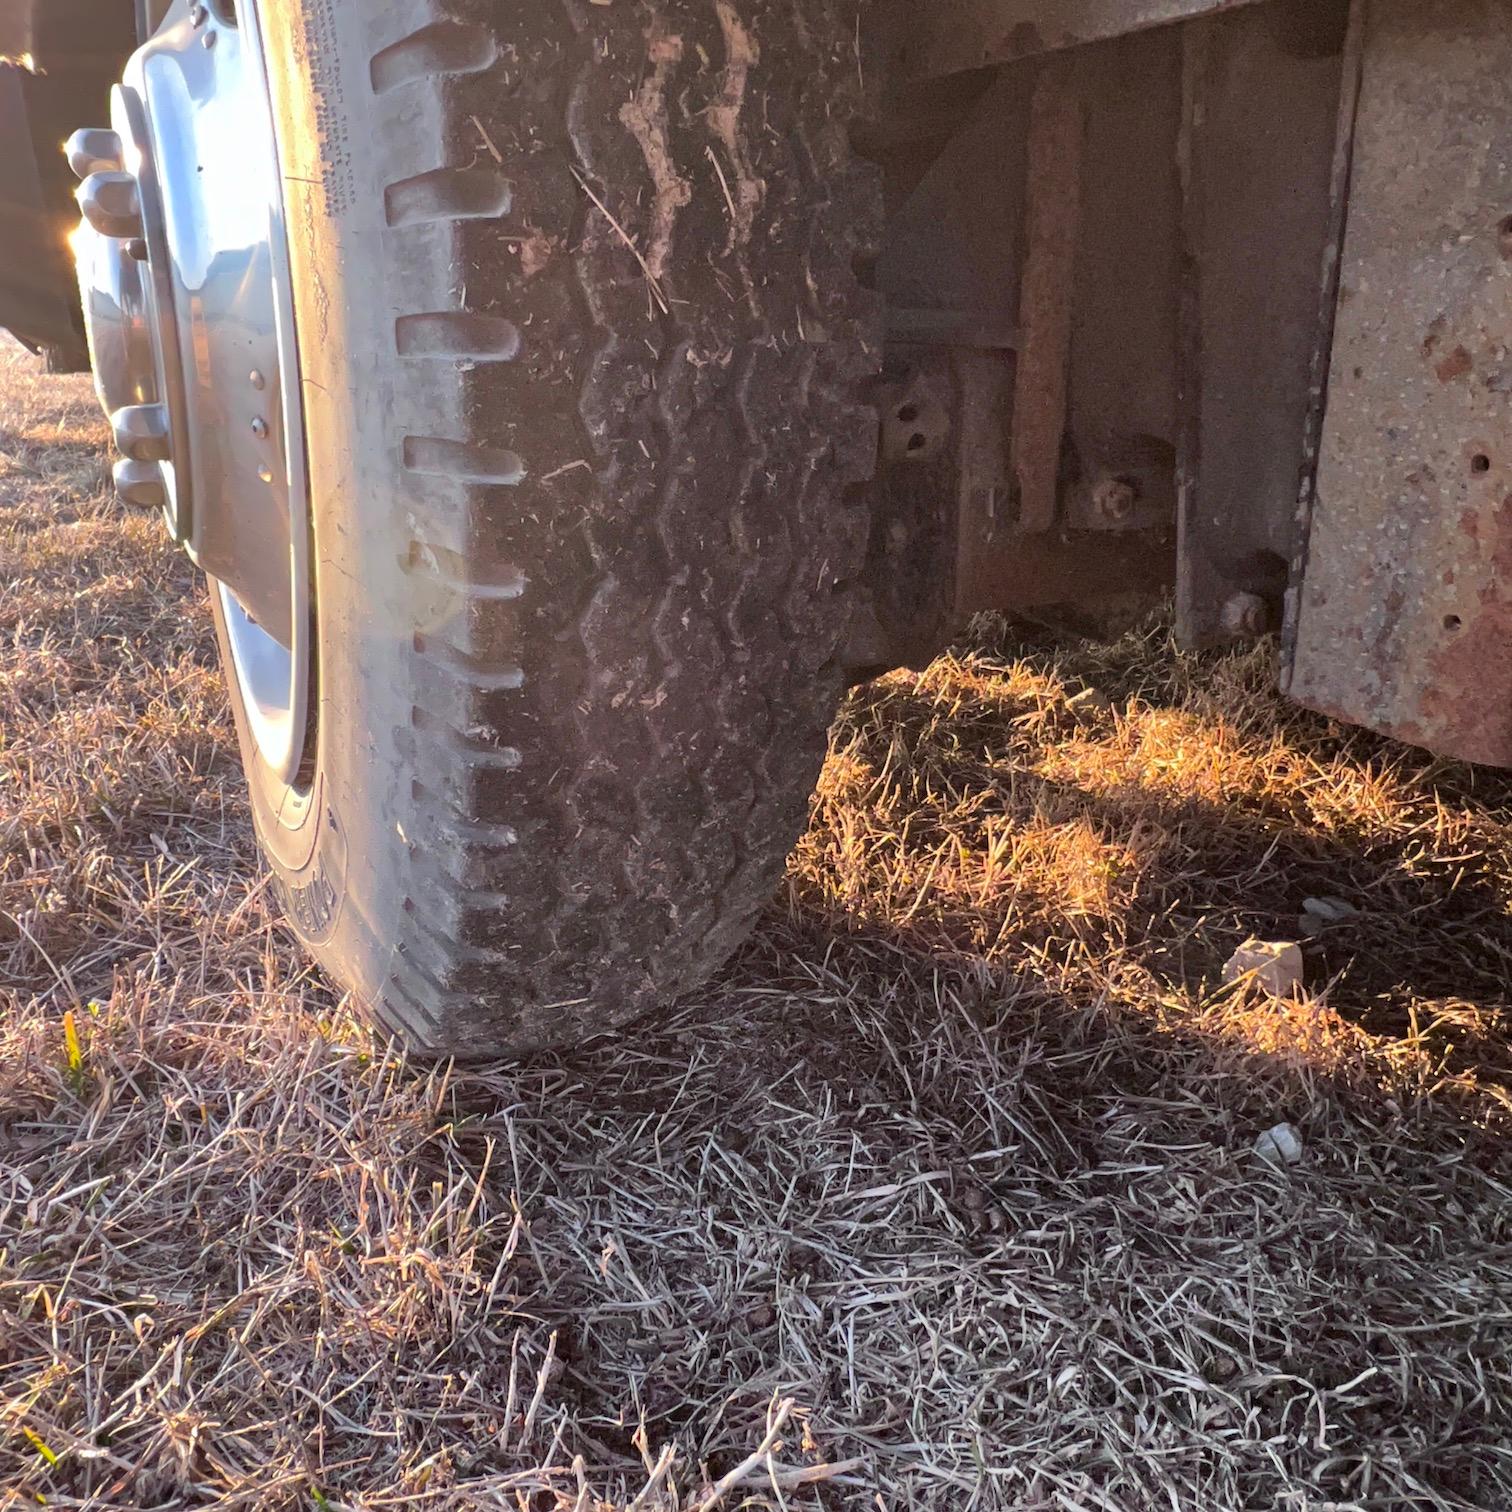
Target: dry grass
956, 1159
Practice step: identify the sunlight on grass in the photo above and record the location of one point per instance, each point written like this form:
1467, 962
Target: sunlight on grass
989, 808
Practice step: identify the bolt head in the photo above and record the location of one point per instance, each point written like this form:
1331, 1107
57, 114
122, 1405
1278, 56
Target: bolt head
1246, 615
141, 432
260, 428
111, 203
93, 149
209, 39
140, 484
198, 14
1114, 499
256, 379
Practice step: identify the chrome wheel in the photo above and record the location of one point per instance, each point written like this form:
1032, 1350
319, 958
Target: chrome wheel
185, 274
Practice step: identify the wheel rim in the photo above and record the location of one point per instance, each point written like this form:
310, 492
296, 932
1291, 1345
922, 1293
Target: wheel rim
187, 290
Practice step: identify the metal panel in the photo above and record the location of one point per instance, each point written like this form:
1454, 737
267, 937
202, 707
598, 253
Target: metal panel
951, 259
1262, 208
949, 36
1405, 619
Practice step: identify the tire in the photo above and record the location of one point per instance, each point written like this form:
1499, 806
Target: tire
586, 513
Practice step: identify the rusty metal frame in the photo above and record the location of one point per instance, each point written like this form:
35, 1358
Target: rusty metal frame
1057, 132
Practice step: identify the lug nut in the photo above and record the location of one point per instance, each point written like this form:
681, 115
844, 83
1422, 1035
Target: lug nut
141, 432
111, 203
1246, 614
140, 484
94, 149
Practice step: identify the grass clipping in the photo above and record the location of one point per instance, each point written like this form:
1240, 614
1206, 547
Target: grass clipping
944, 1196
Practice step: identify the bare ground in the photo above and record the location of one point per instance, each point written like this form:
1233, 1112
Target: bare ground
949, 1180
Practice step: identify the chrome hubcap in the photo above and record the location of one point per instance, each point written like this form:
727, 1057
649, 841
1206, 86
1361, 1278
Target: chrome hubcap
184, 269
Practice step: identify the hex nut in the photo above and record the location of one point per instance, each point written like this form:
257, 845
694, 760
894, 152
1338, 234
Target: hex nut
1114, 499
141, 432
111, 203
140, 484
94, 149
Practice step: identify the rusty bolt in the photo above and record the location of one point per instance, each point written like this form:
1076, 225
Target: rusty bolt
1246, 614
1113, 499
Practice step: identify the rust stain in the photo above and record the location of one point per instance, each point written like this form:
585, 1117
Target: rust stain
1455, 365
1477, 644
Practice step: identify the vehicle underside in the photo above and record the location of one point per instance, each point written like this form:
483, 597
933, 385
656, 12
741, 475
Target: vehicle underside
1199, 301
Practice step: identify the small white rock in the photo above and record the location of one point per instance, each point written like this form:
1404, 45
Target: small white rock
1281, 1145
1274, 967
1330, 910
1319, 914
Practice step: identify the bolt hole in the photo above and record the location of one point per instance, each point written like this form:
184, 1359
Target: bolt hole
918, 441
1480, 463
1453, 623
908, 414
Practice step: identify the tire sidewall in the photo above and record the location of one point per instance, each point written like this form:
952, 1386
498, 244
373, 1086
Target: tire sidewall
336, 855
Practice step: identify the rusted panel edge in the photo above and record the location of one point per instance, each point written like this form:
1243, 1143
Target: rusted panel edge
953, 36
1195, 57
1333, 264
1057, 132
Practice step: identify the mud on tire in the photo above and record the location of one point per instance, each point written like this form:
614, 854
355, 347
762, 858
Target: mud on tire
583, 346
